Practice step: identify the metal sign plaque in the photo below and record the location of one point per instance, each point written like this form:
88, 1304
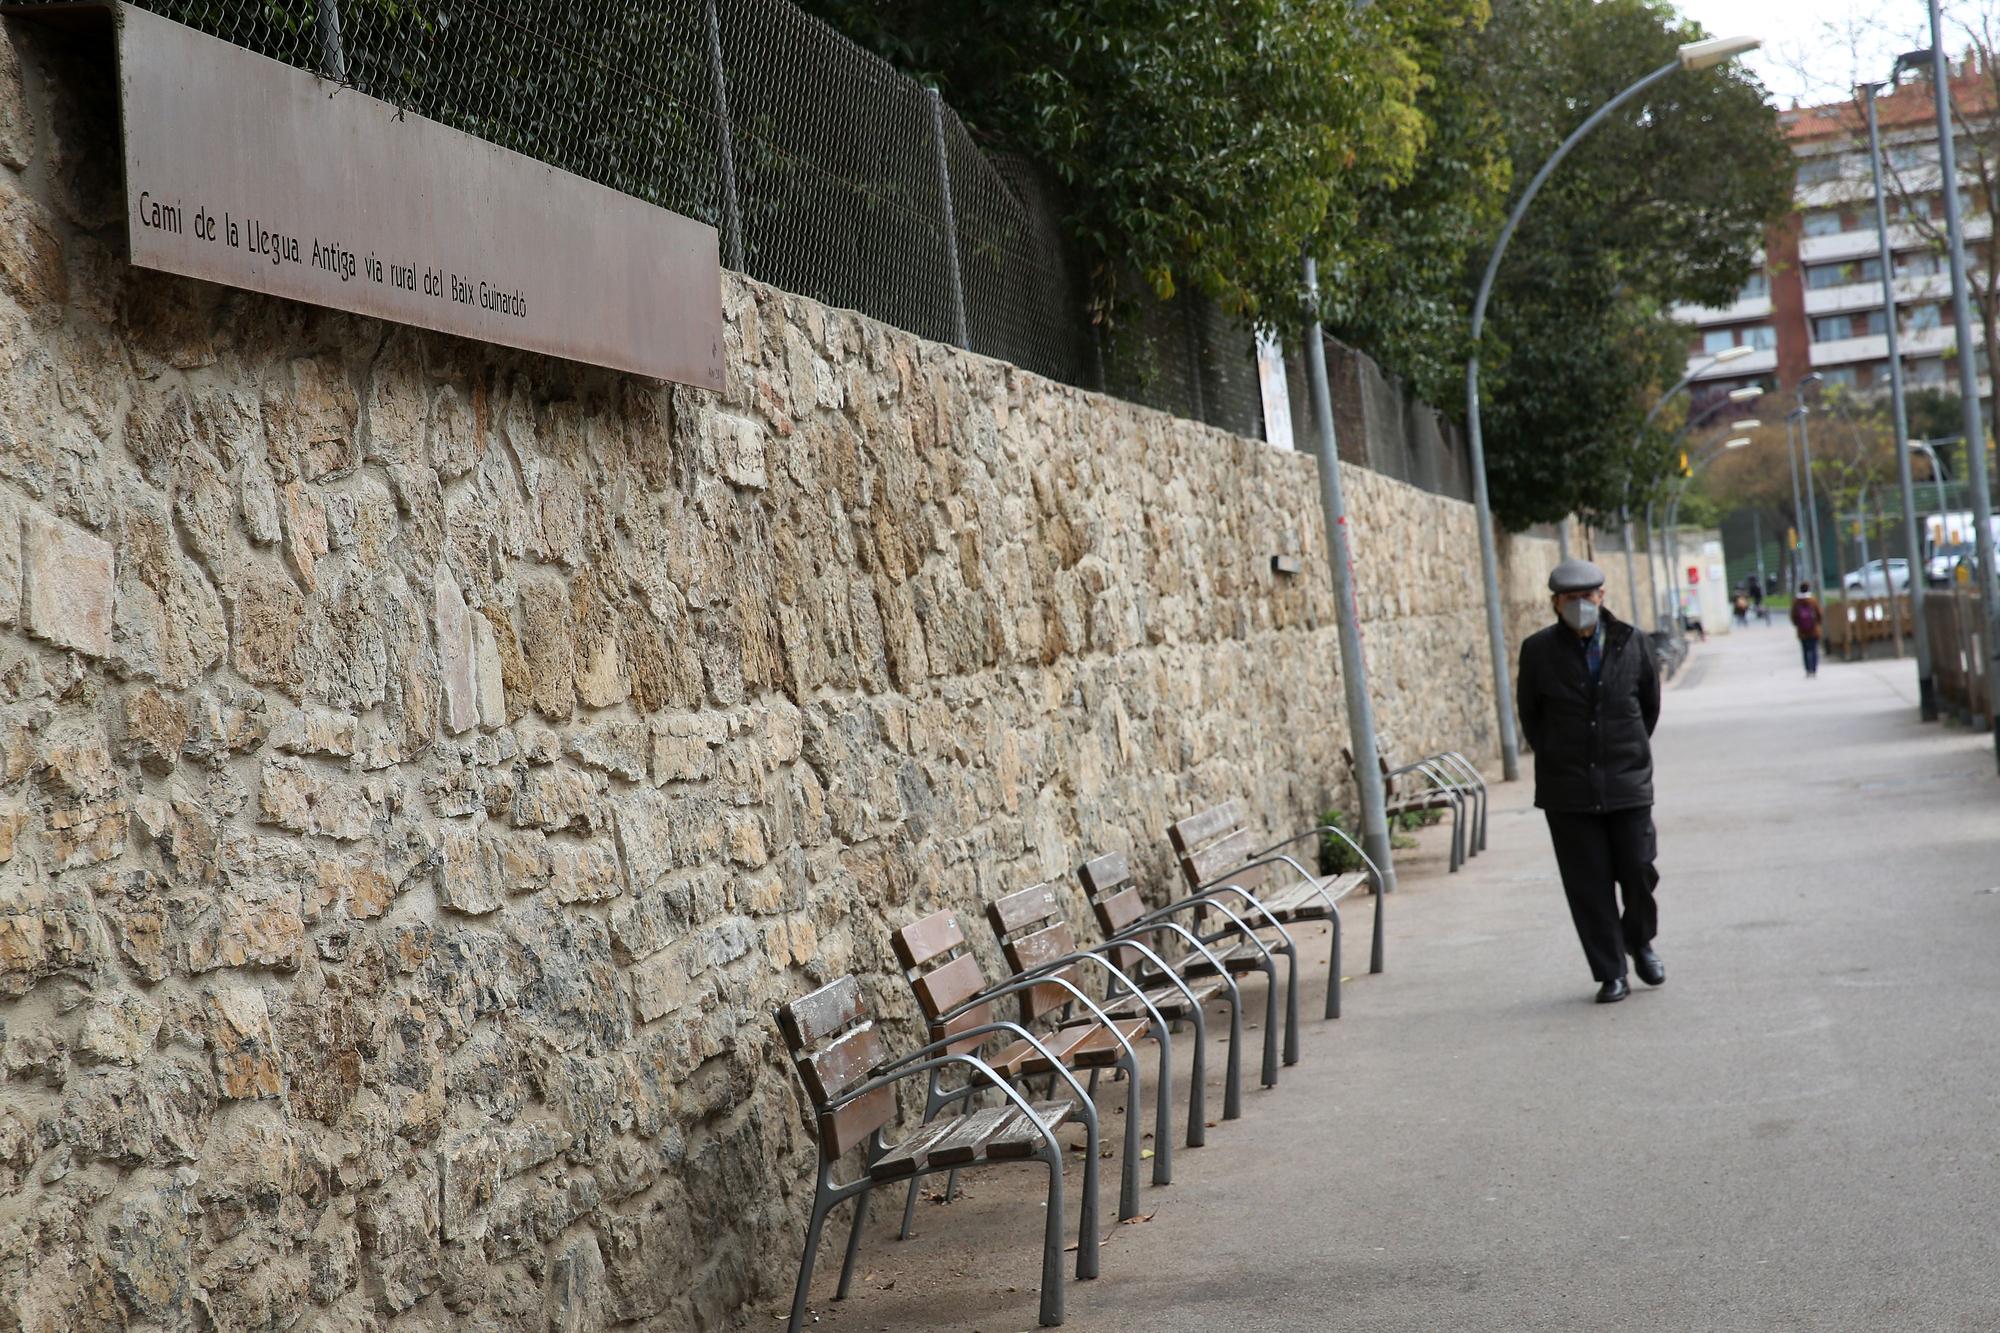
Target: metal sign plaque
246, 171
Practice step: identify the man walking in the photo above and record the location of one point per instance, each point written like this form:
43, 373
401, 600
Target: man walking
1589, 698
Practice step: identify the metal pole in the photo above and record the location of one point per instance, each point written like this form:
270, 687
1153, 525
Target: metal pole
1653, 569
1757, 542
1799, 507
1347, 613
1968, 366
1631, 570
332, 51
1812, 504
960, 335
1926, 679
1489, 552
725, 136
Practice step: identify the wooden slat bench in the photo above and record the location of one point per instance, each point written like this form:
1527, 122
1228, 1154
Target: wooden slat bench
957, 999
1213, 961
1034, 936
850, 1081
1217, 851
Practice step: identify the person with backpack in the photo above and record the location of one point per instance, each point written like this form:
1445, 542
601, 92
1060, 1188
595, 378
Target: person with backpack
1806, 619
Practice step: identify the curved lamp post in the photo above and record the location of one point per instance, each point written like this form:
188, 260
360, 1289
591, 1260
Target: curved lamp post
1692, 56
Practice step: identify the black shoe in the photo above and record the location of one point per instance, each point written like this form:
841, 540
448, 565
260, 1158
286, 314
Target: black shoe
1649, 967
1612, 991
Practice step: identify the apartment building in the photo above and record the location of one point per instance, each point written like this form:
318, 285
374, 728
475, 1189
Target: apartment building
1816, 300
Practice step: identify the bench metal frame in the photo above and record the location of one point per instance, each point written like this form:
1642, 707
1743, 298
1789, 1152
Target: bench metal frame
932, 1059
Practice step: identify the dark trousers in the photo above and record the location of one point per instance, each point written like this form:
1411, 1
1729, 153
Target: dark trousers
1810, 647
1599, 855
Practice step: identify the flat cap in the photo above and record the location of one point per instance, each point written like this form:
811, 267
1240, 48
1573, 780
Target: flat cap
1576, 576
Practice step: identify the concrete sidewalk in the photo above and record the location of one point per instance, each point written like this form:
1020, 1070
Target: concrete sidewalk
1796, 1132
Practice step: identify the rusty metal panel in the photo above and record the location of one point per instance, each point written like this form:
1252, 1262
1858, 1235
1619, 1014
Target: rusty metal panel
245, 171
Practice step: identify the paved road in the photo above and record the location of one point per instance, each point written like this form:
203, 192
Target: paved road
1797, 1132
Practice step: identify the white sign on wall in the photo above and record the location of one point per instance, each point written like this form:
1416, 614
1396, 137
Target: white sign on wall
1277, 396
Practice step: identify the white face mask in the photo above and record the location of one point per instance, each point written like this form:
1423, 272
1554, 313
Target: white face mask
1580, 615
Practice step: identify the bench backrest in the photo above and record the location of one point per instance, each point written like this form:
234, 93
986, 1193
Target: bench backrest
834, 1046
1211, 844
1033, 933
944, 974
1115, 899
1381, 762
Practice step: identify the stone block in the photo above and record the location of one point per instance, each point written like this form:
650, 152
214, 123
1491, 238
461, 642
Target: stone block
242, 1044
315, 731
250, 925
266, 630
303, 799
470, 879
555, 798
489, 673
120, 1029
10, 548
400, 1255
457, 657
46, 929
157, 727
584, 872
67, 584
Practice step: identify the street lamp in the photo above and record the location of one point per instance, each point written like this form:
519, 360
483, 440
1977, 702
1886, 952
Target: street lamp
1691, 56
1968, 368
1926, 679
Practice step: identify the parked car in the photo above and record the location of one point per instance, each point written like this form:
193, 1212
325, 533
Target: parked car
1941, 568
1871, 581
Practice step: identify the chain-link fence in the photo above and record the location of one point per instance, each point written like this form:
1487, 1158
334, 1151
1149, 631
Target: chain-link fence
825, 170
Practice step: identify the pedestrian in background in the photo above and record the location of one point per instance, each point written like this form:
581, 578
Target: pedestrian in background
1589, 697
1756, 589
1806, 619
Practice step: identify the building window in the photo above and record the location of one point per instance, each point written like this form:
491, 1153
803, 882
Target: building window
1823, 222
1844, 376
1763, 337
1921, 264
1717, 340
1924, 318
1842, 275
1910, 156
1927, 372
1835, 328
1758, 288
1819, 170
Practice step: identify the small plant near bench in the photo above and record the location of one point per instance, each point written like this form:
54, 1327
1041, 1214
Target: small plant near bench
1337, 858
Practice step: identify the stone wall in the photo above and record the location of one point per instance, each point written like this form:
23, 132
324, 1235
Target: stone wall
423, 766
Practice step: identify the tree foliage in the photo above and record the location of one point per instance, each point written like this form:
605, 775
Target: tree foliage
1204, 146
1207, 145
1665, 203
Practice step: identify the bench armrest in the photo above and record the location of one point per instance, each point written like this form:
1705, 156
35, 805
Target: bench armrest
980, 1069
1014, 985
1337, 832
1211, 898
931, 1049
1130, 933
1117, 976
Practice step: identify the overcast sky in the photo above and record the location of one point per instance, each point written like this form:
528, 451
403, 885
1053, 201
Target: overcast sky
1815, 49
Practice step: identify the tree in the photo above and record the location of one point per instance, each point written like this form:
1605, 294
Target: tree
1205, 147
1665, 203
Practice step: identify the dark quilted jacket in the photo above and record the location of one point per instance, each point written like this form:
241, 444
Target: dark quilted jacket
1593, 744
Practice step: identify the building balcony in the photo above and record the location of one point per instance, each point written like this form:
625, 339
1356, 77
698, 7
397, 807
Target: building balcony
1868, 295
1757, 363
1708, 316
1864, 244
1913, 344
